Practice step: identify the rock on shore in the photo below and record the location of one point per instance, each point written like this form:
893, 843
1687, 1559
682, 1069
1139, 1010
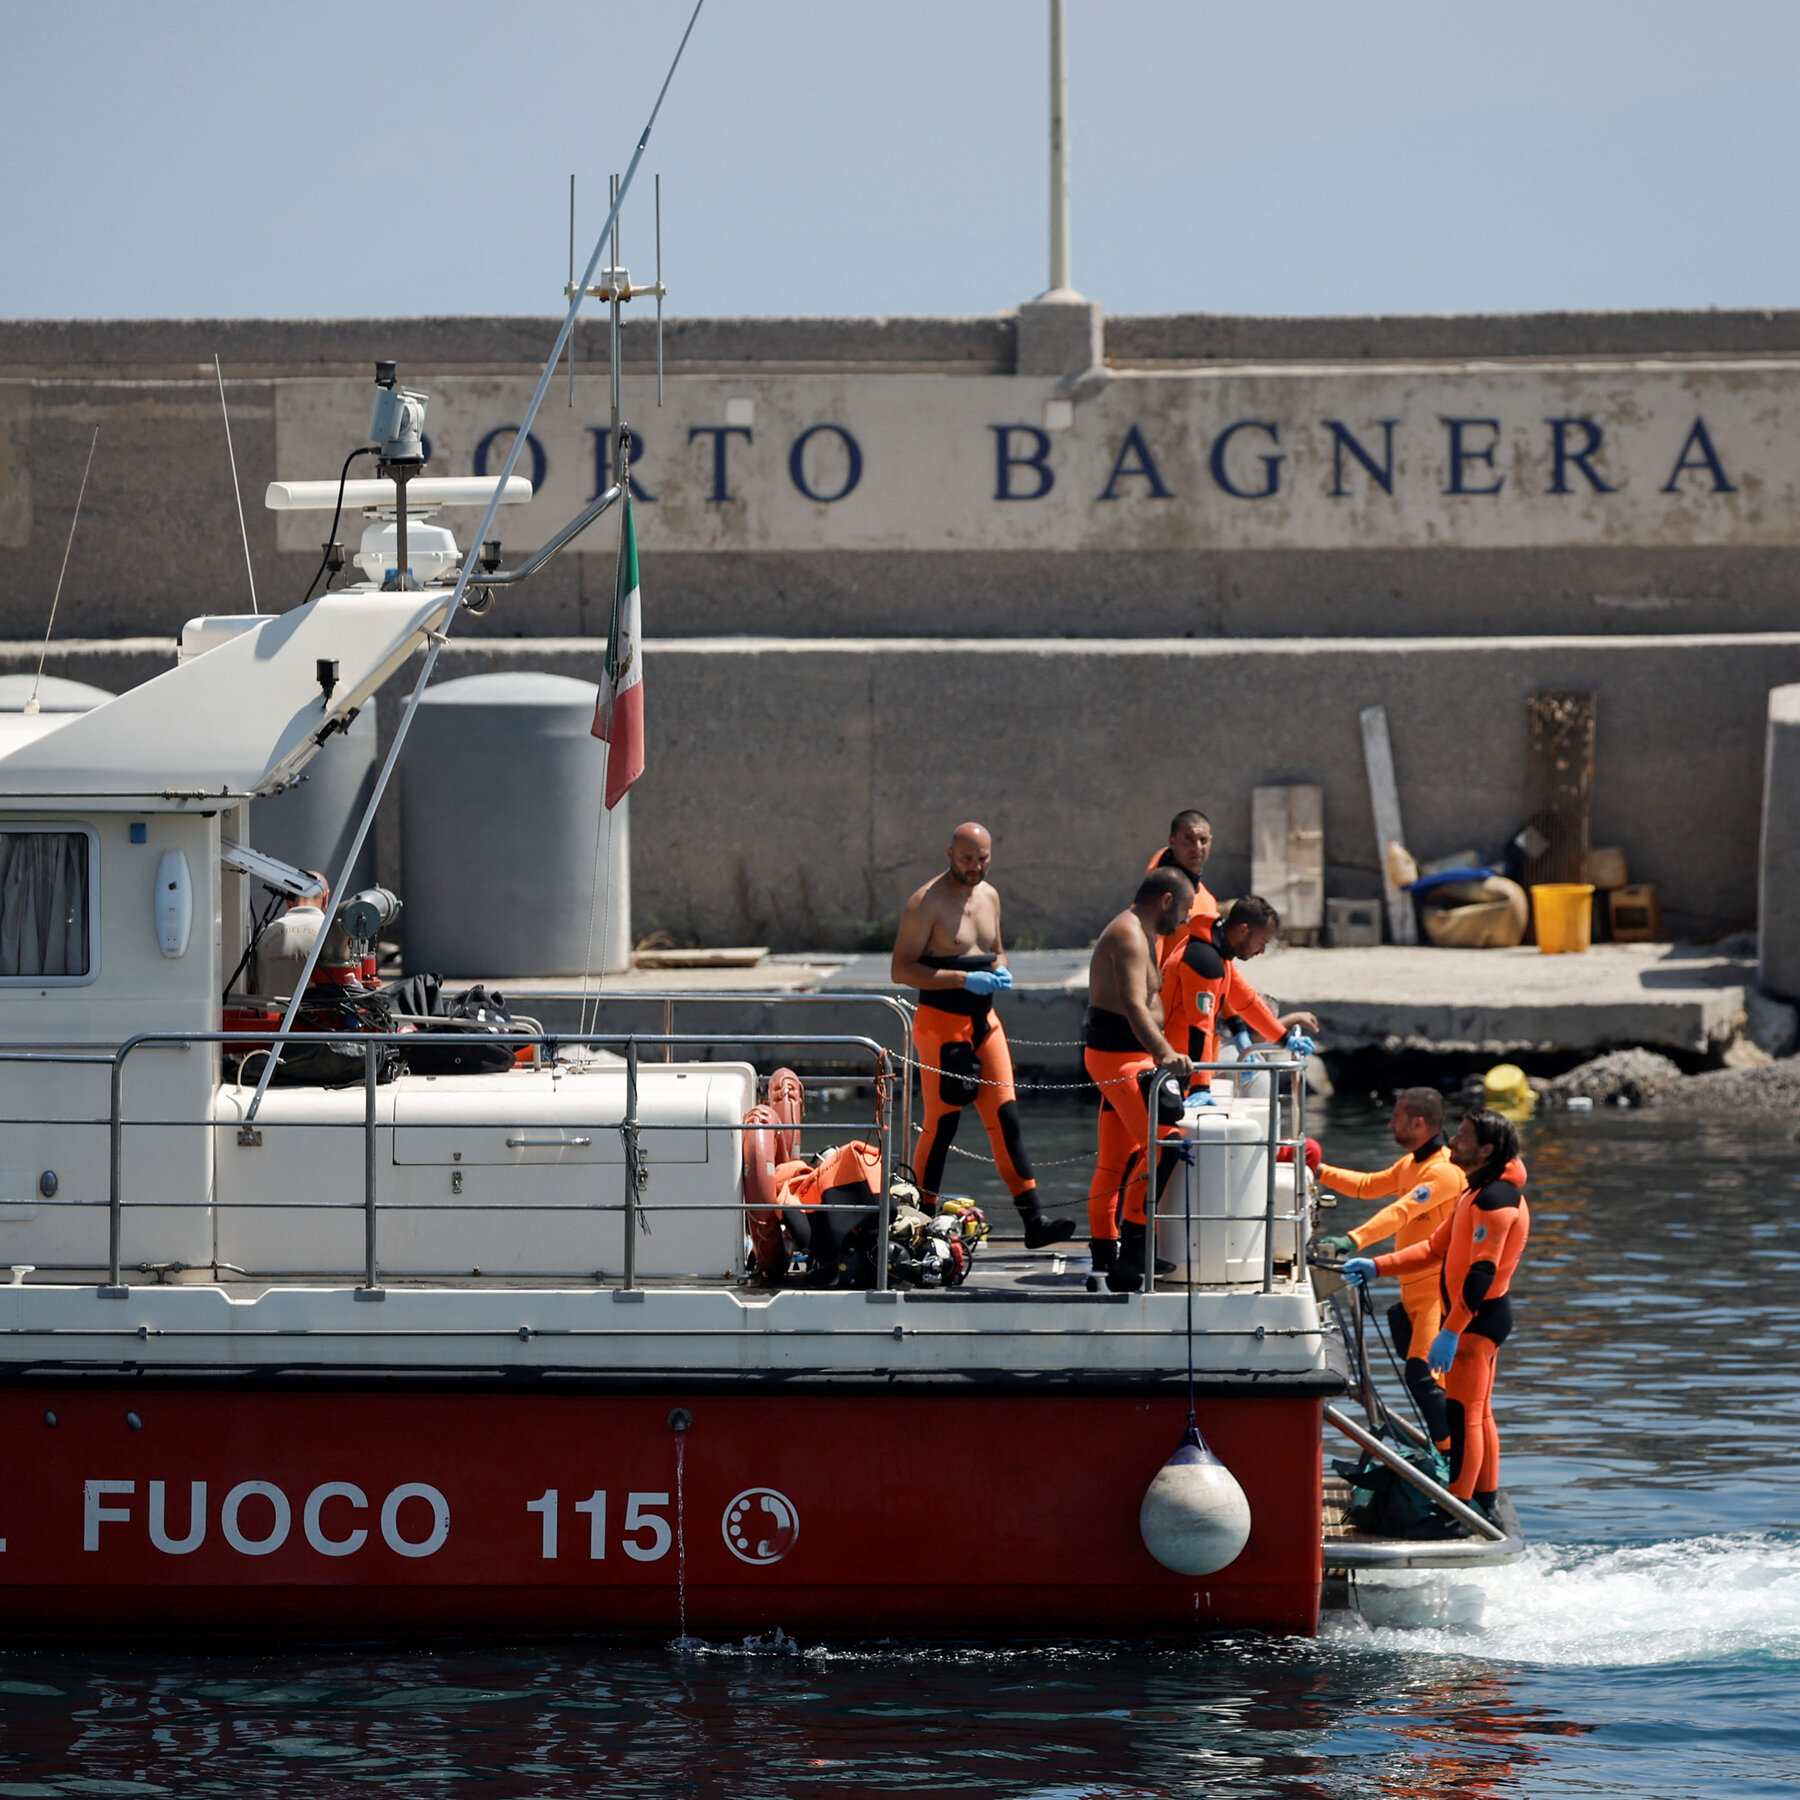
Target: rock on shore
1643, 1078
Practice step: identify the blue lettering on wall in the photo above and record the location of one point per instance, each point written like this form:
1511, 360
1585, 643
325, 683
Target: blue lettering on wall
1271, 464
1698, 453
1462, 454
1342, 440
1140, 463
797, 463
602, 436
1006, 459
540, 463
721, 487
1563, 458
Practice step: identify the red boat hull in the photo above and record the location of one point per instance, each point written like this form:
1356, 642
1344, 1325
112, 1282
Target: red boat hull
854, 1515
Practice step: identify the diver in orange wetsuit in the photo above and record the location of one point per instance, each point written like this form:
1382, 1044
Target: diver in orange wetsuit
1429, 1184
1203, 986
1478, 1248
1190, 844
949, 948
1123, 1048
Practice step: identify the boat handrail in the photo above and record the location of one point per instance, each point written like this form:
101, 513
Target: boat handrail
881, 1075
1459, 1510
629, 1126
670, 998
1295, 1145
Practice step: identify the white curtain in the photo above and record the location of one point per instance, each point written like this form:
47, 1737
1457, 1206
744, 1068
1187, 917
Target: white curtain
43, 903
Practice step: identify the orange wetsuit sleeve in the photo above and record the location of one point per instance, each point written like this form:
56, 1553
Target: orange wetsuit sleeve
1242, 1001
1431, 1193
1423, 1254
1376, 1184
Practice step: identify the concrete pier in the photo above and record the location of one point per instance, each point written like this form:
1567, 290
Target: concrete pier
1676, 998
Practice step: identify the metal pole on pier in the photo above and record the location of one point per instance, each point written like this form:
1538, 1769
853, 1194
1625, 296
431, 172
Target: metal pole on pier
1059, 146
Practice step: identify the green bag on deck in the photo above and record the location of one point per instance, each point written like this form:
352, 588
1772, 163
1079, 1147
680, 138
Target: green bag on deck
1383, 1504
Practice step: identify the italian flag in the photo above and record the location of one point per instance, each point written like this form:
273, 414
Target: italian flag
619, 718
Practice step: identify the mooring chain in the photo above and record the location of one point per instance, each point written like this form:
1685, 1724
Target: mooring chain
1062, 1162
1037, 1087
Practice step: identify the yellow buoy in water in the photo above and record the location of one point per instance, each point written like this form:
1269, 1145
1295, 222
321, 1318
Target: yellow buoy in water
1194, 1519
1505, 1090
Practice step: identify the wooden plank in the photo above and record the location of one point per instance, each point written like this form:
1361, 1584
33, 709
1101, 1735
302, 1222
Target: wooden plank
1384, 800
1306, 860
735, 957
1269, 846
1287, 857
1559, 785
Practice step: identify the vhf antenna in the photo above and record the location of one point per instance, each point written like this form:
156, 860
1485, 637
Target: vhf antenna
569, 288
615, 288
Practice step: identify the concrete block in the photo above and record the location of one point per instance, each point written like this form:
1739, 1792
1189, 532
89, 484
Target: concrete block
1778, 863
1771, 1025
1060, 333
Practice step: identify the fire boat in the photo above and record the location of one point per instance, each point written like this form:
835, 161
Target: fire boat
333, 1308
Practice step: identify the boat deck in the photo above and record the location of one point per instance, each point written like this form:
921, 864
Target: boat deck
1004, 1272
1348, 1548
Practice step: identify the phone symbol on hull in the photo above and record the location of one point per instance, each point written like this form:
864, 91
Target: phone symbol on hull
761, 1526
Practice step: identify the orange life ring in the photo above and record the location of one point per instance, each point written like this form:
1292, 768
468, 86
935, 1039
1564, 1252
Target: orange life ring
762, 1213
787, 1098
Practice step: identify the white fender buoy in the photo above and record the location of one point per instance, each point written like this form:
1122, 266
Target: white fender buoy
174, 903
1194, 1519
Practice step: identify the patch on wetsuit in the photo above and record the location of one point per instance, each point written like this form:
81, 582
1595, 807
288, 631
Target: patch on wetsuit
959, 1085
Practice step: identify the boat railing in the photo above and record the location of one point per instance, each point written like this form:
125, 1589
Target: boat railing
630, 1125
670, 998
1272, 1067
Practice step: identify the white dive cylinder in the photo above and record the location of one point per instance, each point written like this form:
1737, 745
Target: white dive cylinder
1194, 1519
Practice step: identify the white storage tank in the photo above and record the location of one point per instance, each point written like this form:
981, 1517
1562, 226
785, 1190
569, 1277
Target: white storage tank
1230, 1200
310, 825
502, 811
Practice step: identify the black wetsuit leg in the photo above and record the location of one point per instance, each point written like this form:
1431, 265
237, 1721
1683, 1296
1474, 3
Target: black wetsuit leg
1428, 1397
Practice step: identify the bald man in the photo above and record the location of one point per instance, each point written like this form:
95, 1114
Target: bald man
949, 948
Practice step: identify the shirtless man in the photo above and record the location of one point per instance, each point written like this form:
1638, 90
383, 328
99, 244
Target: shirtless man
949, 949
1124, 1047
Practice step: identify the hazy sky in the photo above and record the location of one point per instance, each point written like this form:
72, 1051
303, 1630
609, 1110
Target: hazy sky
193, 157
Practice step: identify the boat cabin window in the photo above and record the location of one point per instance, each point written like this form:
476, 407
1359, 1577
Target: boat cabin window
46, 905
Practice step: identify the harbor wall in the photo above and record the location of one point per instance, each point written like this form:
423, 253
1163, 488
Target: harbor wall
797, 789
1208, 477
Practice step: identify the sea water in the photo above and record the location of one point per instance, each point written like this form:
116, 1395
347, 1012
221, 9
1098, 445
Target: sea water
1647, 1644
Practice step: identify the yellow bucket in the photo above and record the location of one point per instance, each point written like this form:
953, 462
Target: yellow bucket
1563, 912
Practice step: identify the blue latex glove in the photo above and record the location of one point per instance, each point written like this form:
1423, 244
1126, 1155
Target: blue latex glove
1442, 1353
1241, 1041
1299, 1044
1359, 1270
987, 981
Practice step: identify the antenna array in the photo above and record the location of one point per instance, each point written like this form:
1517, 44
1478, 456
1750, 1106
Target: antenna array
615, 289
